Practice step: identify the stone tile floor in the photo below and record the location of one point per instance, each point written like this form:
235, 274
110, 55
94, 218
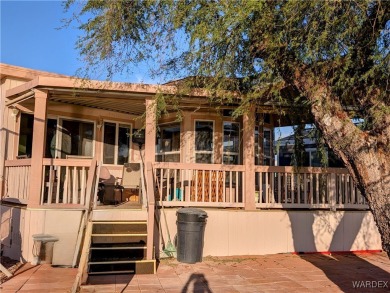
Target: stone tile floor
269, 273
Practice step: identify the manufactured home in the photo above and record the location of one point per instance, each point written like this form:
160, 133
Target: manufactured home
89, 163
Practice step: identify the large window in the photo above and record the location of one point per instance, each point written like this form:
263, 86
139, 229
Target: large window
168, 143
231, 143
116, 138
204, 134
76, 138
26, 136
263, 146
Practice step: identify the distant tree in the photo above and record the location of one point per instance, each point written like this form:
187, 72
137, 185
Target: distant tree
331, 57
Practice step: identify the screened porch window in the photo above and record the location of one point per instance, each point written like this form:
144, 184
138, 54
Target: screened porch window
26, 136
168, 143
263, 146
77, 138
204, 147
231, 143
116, 149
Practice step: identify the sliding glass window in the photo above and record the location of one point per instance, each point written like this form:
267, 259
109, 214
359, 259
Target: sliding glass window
231, 143
77, 138
204, 146
168, 143
116, 139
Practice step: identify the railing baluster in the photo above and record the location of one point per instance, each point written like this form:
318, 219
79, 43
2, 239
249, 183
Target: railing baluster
75, 185
267, 191
211, 173
224, 186
196, 185
50, 187
263, 200
174, 196
161, 184
43, 185
298, 188
280, 178
83, 181
317, 181
347, 194
236, 188
66, 185
169, 195
285, 177
181, 172
304, 188
353, 193
243, 187
58, 184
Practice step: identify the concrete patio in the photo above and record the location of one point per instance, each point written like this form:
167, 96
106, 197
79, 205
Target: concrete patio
269, 273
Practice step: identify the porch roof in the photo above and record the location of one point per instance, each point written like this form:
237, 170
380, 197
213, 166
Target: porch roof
113, 96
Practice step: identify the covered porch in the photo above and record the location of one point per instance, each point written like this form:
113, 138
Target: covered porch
60, 137
63, 132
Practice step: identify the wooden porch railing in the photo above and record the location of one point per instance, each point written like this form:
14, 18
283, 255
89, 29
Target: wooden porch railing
212, 185
306, 187
200, 184
17, 179
65, 181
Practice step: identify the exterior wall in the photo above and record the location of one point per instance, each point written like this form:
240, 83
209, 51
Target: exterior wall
9, 126
233, 232
18, 243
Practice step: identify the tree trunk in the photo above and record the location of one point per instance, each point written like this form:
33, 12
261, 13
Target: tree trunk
365, 156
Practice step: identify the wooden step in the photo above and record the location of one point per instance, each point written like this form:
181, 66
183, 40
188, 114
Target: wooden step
119, 228
120, 235
119, 247
118, 254
121, 267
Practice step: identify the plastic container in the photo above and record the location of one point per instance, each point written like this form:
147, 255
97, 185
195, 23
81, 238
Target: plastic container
191, 224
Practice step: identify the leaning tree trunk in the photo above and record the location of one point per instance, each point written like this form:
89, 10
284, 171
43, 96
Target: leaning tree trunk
366, 157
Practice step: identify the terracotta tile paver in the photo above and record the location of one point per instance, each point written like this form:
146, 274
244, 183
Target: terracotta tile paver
240, 274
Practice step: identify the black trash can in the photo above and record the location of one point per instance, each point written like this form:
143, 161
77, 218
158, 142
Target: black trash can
190, 233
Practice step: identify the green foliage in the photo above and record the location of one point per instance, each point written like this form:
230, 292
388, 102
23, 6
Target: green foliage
250, 48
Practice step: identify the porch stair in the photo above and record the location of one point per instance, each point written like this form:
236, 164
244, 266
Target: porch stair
119, 247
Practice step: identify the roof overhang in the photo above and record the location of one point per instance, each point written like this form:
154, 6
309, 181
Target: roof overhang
113, 96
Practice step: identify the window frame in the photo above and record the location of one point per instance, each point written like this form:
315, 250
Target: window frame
164, 153
213, 141
116, 148
238, 154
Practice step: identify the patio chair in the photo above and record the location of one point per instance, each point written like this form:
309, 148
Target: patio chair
131, 182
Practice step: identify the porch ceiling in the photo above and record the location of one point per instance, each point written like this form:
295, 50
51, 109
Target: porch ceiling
128, 103
122, 102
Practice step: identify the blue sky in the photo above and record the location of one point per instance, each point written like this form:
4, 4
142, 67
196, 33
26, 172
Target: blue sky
31, 37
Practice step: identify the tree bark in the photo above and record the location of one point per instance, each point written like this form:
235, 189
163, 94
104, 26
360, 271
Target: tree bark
365, 156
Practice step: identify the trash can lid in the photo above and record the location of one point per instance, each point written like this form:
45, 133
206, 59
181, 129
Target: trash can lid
44, 237
192, 211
